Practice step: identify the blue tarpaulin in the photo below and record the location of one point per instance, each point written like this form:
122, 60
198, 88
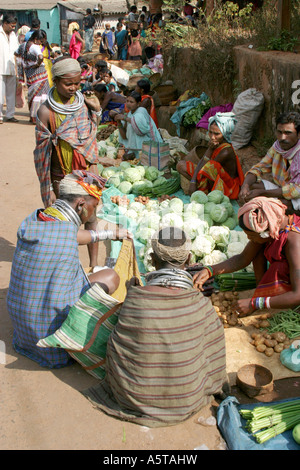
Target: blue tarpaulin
232, 428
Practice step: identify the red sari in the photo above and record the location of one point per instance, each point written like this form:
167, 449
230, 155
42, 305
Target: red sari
213, 172
276, 280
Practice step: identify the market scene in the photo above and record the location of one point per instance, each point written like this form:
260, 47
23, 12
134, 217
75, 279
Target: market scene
150, 198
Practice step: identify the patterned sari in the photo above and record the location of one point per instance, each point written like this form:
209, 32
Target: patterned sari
213, 176
276, 280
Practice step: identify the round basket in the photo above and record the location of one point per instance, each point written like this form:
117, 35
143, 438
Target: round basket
254, 380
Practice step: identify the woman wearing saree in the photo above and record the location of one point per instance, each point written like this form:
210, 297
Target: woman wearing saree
76, 42
33, 68
137, 126
46, 51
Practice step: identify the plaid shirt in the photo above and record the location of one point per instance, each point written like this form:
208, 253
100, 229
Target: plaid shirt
79, 130
46, 280
276, 164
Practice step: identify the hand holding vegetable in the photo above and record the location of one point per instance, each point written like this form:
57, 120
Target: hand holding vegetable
243, 307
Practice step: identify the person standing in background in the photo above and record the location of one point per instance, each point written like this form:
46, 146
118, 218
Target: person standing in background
8, 45
76, 42
35, 25
88, 26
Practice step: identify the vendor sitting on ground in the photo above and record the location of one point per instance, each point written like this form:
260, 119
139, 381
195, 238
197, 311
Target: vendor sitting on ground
274, 237
166, 355
47, 277
220, 167
282, 162
143, 88
137, 126
111, 103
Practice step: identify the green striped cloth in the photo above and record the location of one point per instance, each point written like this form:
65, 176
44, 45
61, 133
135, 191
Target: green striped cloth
85, 332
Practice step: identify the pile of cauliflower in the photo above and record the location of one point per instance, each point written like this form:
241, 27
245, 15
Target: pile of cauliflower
209, 221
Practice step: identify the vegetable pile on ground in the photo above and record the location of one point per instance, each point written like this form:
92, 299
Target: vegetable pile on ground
223, 303
269, 343
193, 116
109, 147
265, 422
203, 220
141, 180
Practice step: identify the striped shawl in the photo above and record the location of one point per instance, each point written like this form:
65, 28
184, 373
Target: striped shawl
165, 358
79, 130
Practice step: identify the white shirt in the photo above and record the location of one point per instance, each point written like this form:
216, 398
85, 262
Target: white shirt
8, 45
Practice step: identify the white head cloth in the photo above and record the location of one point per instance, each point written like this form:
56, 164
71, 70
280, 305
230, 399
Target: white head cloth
64, 67
69, 185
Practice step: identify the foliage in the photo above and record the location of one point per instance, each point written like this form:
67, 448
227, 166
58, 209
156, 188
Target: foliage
284, 42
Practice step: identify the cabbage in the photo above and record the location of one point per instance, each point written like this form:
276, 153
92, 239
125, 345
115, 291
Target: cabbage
141, 170
114, 180
100, 168
208, 207
203, 245
159, 181
176, 205
208, 219
124, 165
192, 210
234, 248
229, 208
215, 257
136, 187
132, 175
200, 197
152, 173
146, 187
230, 223
195, 227
109, 171
172, 219
221, 235
125, 187
219, 214
225, 199
215, 196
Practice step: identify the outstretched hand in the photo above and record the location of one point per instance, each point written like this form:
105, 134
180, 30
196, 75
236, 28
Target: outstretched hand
121, 234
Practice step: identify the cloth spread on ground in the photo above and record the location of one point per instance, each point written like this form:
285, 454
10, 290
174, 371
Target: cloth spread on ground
232, 427
183, 107
46, 280
78, 130
276, 280
214, 172
285, 171
165, 358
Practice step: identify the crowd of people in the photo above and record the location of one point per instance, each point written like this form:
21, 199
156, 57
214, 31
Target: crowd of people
68, 98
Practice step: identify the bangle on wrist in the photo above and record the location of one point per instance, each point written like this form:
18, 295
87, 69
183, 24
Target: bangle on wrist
99, 235
210, 270
98, 113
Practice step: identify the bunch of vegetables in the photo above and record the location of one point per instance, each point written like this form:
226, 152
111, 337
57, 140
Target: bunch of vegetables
120, 200
265, 422
193, 116
143, 199
286, 322
141, 180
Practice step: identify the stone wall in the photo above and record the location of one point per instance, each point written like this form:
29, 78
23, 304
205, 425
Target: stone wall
273, 73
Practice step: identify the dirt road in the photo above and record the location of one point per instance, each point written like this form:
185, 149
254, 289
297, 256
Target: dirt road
43, 409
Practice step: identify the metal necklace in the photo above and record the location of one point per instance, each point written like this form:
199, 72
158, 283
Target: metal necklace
67, 211
172, 277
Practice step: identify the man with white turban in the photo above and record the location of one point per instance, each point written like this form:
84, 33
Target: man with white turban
220, 167
66, 134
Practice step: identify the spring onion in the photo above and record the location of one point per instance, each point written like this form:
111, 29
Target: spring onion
265, 422
238, 281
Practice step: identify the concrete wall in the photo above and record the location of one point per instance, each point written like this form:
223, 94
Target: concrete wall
271, 72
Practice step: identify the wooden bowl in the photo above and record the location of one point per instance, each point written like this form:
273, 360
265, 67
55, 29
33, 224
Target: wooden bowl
254, 380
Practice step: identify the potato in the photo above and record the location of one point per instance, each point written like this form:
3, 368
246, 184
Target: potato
261, 348
279, 347
228, 296
279, 336
259, 341
269, 352
264, 324
270, 343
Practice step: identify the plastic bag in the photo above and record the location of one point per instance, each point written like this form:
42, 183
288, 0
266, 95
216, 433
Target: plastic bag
247, 109
290, 357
